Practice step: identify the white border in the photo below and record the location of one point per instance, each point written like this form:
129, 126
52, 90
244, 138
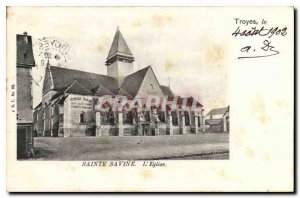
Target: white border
105, 3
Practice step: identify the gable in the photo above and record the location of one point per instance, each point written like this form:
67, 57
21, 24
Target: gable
150, 85
76, 88
47, 85
101, 91
133, 82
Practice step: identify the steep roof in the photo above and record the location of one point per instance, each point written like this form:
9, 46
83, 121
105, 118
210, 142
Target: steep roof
73, 88
101, 91
103, 82
133, 82
119, 46
219, 111
76, 88
166, 90
25, 56
63, 77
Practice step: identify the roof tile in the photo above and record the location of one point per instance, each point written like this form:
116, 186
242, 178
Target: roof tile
133, 82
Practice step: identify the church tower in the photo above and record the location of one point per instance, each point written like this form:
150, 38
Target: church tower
119, 61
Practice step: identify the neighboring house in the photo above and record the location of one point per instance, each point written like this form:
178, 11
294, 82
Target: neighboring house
218, 119
226, 120
25, 61
70, 95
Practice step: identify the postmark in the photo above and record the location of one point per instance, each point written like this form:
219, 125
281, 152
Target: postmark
49, 49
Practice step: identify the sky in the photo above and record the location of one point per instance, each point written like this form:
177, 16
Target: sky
186, 46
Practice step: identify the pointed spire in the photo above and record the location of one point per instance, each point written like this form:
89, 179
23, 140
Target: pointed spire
119, 46
48, 64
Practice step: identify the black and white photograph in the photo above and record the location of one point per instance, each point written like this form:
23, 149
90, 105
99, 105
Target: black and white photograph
96, 98
149, 99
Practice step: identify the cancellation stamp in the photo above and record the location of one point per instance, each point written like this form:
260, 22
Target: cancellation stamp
52, 50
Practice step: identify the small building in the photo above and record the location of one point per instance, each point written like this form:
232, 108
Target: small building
218, 119
25, 61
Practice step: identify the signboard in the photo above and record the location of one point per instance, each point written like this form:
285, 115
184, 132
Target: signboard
81, 102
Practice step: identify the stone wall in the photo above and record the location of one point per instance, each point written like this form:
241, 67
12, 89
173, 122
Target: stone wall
150, 85
74, 105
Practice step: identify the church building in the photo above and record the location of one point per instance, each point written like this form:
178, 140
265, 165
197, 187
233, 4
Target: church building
70, 97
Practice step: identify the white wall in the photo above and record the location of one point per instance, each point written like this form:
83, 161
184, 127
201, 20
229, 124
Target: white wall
74, 105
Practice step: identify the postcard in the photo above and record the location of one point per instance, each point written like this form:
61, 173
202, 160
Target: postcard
150, 99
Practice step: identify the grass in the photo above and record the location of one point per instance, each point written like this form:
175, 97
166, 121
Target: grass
192, 146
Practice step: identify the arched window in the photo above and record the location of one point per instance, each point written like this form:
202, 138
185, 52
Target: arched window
107, 117
146, 115
175, 120
187, 118
127, 115
161, 115
82, 118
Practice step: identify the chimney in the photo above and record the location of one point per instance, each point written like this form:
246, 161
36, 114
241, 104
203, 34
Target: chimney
25, 38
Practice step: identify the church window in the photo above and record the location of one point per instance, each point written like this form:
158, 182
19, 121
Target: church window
61, 109
175, 120
61, 118
107, 117
161, 116
82, 118
151, 86
147, 116
187, 118
127, 117
52, 111
44, 114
